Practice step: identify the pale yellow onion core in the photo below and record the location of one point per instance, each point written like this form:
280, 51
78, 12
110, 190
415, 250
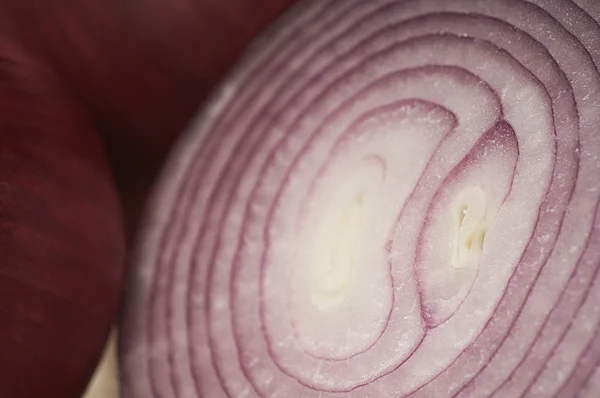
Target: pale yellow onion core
469, 226
334, 266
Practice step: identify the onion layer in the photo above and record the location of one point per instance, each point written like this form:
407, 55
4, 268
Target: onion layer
385, 198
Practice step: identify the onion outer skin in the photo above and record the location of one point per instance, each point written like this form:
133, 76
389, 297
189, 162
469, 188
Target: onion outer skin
209, 310
127, 61
62, 247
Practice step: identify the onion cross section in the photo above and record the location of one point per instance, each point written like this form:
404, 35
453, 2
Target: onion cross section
384, 199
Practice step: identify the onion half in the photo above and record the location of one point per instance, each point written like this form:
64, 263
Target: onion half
385, 198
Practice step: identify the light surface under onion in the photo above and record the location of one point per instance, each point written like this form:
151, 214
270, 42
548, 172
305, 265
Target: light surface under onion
385, 198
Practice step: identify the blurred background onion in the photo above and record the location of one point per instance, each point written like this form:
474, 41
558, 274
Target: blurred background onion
62, 244
141, 67
120, 79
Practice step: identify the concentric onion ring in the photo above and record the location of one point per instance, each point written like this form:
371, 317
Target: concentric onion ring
386, 198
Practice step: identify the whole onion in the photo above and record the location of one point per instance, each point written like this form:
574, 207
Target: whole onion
61, 237
384, 199
140, 67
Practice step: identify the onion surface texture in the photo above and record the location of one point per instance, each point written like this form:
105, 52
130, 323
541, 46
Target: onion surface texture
62, 249
383, 199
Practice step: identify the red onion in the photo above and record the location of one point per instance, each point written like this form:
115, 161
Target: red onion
61, 241
140, 67
385, 198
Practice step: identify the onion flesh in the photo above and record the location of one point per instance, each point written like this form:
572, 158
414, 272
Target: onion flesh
385, 198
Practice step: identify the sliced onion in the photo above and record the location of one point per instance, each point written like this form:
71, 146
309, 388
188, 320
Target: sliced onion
385, 198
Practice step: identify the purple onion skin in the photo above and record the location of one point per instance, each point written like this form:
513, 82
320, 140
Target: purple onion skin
384, 199
62, 249
140, 67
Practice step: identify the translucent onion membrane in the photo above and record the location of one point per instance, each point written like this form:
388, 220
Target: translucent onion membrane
385, 199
